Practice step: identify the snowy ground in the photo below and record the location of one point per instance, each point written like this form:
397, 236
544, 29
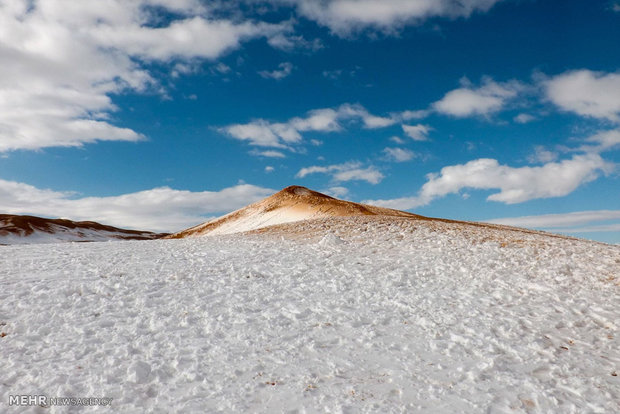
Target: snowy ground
375, 316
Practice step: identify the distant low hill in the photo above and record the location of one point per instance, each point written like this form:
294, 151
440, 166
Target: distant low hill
17, 229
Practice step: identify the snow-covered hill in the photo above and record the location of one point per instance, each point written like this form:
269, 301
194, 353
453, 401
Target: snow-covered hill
341, 314
29, 229
292, 204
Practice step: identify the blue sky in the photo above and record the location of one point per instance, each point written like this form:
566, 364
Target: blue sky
160, 114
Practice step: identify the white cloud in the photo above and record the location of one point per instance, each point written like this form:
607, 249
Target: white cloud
61, 62
281, 135
613, 227
269, 169
259, 133
524, 118
542, 155
222, 68
344, 17
192, 37
322, 120
369, 120
516, 185
159, 209
332, 74
398, 154
586, 93
337, 192
369, 174
187, 68
602, 141
417, 132
598, 143
413, 115
485, 100
372, 121
550, 221
288, 43
269, 154
350, 171
285, 69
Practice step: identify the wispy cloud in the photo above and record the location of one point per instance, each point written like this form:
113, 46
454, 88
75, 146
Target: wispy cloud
268, 154
524, 118
285, 69
412, 115
542, 155
592, 221
553, 221
601, 228
397, 140
337, 191
290, 42
332, 74
602, 141
398, 154
221, 68
417, 132
264, 134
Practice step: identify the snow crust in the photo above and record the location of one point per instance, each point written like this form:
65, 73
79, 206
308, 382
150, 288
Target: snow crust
358, 315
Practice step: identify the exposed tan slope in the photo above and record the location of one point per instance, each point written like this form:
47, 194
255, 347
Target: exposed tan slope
292, 204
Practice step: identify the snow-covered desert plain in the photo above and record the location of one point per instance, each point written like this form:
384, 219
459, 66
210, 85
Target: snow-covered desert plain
354, 314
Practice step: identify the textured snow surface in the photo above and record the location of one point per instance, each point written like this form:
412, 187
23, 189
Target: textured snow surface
368, 316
